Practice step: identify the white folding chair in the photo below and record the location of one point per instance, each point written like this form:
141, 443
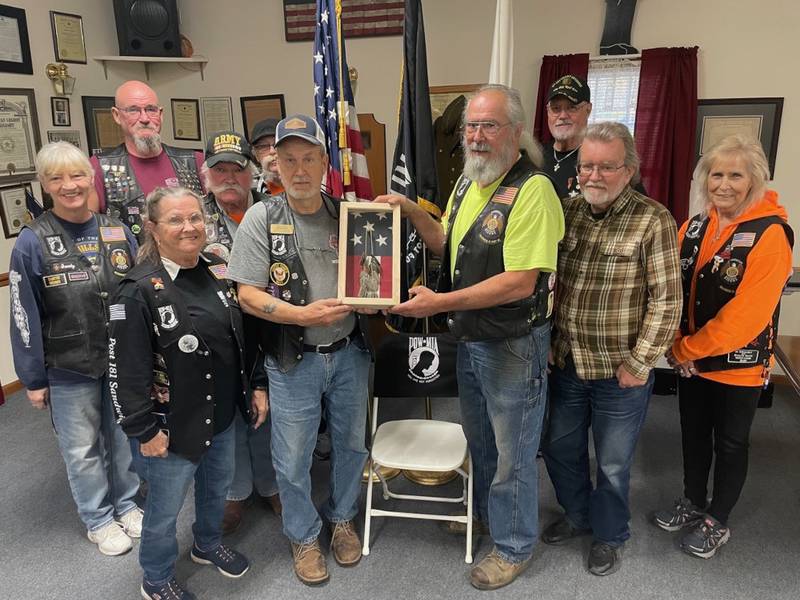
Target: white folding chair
417, 444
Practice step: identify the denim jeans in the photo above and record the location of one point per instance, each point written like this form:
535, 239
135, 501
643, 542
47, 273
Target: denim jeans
169, 479
253, 462
95, 450
342, 378
502, 388
616, 416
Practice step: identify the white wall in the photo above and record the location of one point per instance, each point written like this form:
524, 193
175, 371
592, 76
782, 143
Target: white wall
745, 49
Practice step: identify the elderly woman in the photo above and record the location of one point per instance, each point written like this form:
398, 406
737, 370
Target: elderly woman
64, 267
736, 257
176, 323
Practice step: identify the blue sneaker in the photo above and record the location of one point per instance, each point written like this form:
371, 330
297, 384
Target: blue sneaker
228, 561
170, 590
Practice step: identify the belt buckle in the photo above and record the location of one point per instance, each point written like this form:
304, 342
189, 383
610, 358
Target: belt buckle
322, 348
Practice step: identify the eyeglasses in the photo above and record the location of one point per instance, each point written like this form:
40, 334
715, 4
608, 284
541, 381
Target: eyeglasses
604, 170
150, 110
489, 128
264, 146
569, 108
176, 222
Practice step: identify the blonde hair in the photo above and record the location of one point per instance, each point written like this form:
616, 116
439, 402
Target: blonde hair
148, 251
58, 157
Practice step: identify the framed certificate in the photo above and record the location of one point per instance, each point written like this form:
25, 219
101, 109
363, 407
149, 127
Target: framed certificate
19, 124
72, 136
68, 41
15, 47
258, 108
186, 119
216, 115
14, 208
369, 254
102, 131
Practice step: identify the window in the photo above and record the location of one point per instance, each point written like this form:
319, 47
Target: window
615, 89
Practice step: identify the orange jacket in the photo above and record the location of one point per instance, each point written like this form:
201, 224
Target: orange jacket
769, 264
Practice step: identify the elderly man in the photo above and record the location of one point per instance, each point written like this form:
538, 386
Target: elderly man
617, 310
285, 258
227, 174
263, 142
498, 240
126, 174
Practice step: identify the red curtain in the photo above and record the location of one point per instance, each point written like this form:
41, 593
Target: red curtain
666, 119
554, 67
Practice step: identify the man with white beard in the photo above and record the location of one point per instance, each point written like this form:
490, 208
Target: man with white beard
127, 173
617, 309
262, 141
498, 240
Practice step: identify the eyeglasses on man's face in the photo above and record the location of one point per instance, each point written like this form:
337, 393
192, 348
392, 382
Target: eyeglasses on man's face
151, 110
489, 128
604, 170
556, 108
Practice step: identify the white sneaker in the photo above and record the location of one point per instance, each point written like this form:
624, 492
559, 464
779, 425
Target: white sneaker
111, 539
131, 522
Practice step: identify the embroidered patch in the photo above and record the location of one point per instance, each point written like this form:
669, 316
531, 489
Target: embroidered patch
116, 312
279, 273
743, 356
222, 297
505, 195
732, 270
743, 240
78, 276
112, 234
120, 261
492, 227
693, 232
219, 250
168, 318
55, 280
278, 244
219, 271
55, 245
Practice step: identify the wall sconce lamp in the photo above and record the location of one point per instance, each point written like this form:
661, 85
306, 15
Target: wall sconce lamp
63, 84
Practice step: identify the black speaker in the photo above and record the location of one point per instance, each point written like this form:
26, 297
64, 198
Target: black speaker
147, 27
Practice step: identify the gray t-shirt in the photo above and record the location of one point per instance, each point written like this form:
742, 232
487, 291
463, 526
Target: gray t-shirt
316, 237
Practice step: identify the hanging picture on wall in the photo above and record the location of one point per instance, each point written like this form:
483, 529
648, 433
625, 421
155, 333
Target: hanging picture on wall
21, 142
758, 118
258, 108
102, 131
72, 136
59, 109
186, 119
68, 41
15, 47
14, 208
365, 18
216, 114
369, 254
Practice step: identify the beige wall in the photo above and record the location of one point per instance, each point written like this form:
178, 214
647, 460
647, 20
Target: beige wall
741, 44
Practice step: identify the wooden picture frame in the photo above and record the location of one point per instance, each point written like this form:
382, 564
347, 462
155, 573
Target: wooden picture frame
369, 230
21, 139
69, 42
14, 208
186, 119
16, 53
759, 118
60, 112
442, 95
102, 132
258, 108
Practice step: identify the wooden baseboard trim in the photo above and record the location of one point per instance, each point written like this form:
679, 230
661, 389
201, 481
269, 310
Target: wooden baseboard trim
12, 387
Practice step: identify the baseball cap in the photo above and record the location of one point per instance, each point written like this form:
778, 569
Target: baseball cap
574, 89
228, 146
300, 126
263, 129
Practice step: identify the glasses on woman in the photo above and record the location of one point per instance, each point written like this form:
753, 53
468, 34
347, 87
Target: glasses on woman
604, 170
175, 222
489, 128
151, 110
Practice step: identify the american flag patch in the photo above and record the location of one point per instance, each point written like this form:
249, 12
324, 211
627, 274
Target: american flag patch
116, 312
112, 234
743, 240
505, 195
219, 271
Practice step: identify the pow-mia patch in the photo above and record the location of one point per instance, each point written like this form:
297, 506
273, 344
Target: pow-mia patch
120, 261
55, 280
492, 227
278, 244
55, 245
168, 318
462, 186
219, 271
732, 270
112, 234
694, 230
78, 276
279, 273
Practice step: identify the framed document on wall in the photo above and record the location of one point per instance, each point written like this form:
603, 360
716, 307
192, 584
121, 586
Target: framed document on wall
14, 208
21, 142
186, 119
102, 131
258, 108
15, 47
68, 41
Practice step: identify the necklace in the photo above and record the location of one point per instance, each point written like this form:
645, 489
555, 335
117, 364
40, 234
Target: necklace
557, 166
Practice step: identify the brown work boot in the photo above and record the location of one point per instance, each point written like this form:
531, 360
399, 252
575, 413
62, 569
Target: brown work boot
494, 571
232, 517
345, 543
274, 502
309, 563
458, 528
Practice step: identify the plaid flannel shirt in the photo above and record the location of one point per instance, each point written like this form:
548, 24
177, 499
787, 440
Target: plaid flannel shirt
619, 286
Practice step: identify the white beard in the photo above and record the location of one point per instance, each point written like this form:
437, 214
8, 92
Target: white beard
485, 170
149, 145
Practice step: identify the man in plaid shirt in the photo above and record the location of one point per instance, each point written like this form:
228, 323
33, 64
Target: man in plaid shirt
618, 304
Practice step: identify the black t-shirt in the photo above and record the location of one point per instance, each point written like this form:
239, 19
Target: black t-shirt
213, 322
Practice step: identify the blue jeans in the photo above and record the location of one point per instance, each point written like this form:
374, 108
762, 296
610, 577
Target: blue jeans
342, 378
95, 450
502, 388
253, 463
169, 479
616, 416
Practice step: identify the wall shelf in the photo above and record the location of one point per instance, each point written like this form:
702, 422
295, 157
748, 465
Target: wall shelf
149, 60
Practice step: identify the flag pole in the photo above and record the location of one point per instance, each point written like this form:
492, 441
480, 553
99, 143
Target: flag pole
342, 103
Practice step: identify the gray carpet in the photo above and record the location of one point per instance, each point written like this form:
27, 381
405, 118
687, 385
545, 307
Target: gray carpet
44, 552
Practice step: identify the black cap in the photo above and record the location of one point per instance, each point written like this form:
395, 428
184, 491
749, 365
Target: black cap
263, 129
300, 126
228, 146
574, 89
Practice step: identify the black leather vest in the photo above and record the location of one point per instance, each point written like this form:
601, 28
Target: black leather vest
480, 256
287, 280
76, 293
716, 285
220, 238
125, 199
181, 359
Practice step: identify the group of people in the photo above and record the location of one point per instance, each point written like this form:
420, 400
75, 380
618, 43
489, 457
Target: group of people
177, 313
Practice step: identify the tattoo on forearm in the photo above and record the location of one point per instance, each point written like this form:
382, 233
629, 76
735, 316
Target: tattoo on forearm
270, 307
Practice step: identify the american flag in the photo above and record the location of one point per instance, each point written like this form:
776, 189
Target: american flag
370, 235
327, 97
360, 18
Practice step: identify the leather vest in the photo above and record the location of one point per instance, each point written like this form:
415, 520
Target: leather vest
182, 362
125, 200
480, 256
76, 292
288, 280
716, 285
219, 236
